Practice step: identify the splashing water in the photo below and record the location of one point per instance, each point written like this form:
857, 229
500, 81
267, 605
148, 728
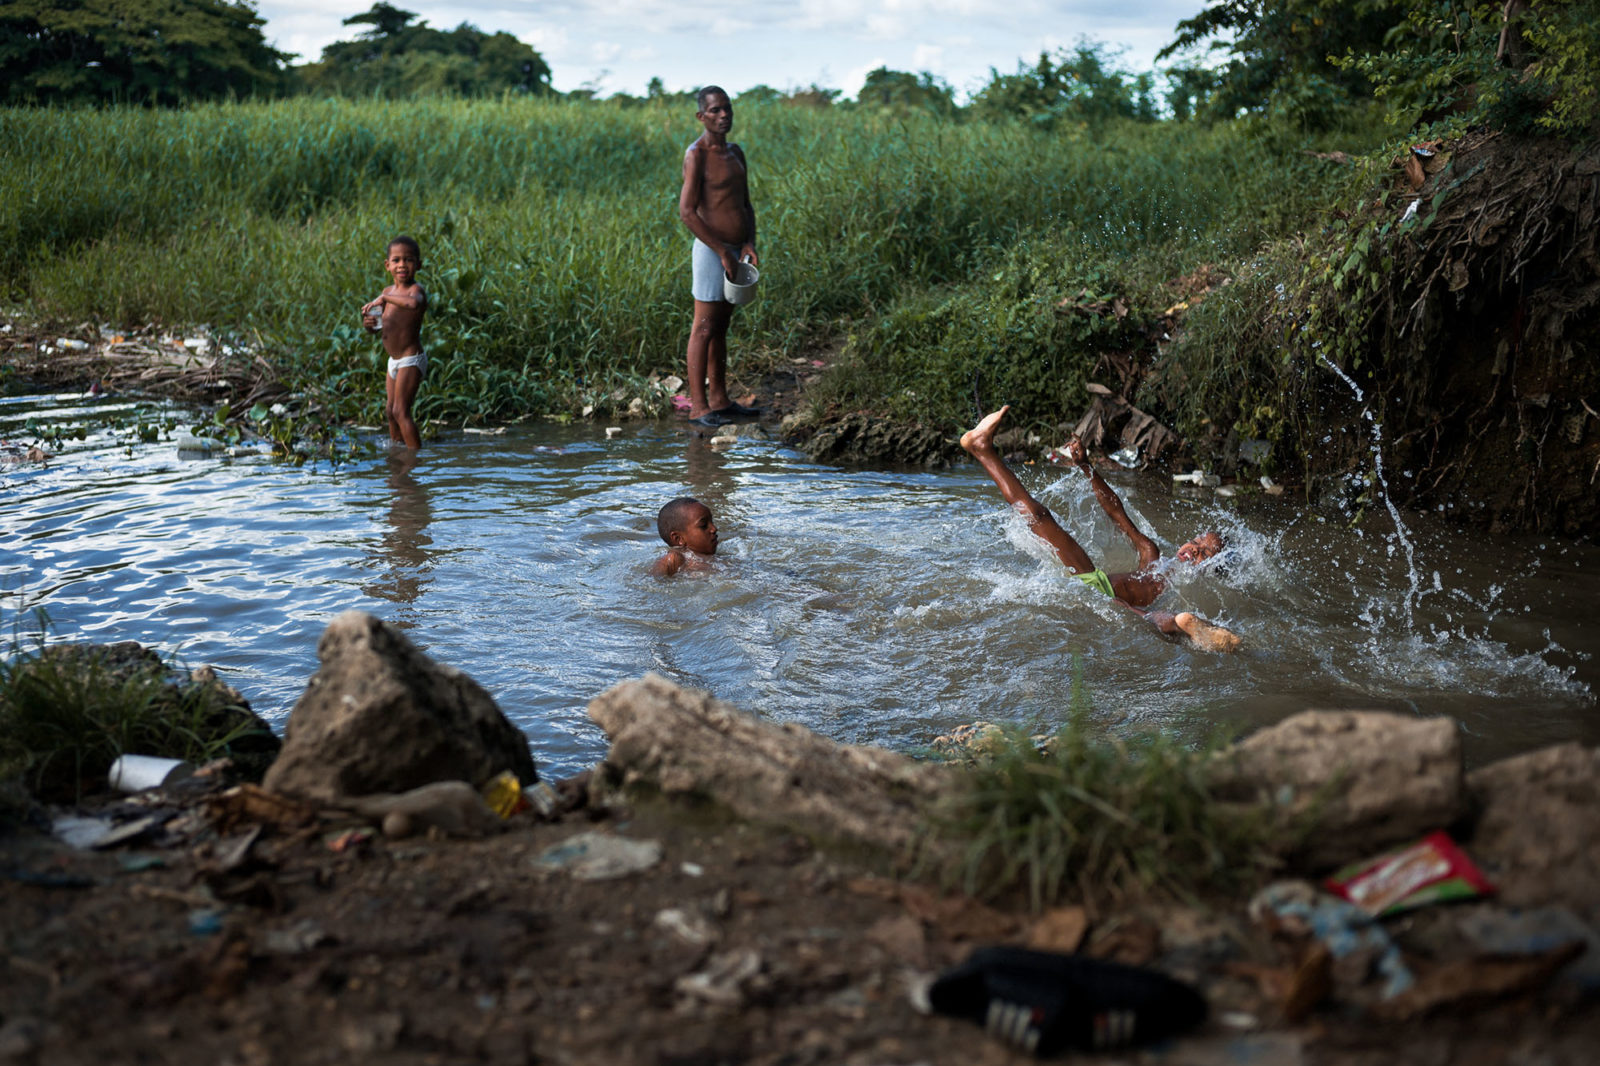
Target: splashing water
1414, 593
876, 607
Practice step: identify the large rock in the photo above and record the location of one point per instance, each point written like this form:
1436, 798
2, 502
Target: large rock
380, 716
685, 742
1362, 779
1538, 832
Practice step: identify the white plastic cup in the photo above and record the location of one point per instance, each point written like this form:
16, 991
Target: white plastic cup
741, 288
135, 773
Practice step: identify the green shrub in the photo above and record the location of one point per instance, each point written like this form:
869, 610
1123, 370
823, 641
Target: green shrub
1095, 816
67, 712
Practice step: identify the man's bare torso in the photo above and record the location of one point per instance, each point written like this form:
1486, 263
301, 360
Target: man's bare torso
723, 190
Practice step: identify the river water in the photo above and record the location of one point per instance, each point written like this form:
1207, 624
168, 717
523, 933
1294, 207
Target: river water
872, 606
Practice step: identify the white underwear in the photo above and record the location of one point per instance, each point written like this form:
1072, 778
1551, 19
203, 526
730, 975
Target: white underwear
708, 276
420, 361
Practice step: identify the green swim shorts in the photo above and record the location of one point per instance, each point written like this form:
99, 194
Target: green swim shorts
1098, 579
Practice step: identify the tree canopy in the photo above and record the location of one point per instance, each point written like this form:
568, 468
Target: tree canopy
137, 51
902, 92
400, 56
1509, 63
1082, 85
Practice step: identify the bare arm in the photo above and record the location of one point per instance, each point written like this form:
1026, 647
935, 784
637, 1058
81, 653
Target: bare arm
1111, 503
668, 564
749, 249
694, 168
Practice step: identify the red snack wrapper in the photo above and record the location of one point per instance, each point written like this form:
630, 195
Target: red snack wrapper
1430, 871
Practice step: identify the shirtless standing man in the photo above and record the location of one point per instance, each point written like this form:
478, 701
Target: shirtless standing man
715, 205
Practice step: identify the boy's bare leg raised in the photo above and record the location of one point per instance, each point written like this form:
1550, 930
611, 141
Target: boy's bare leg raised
979, 443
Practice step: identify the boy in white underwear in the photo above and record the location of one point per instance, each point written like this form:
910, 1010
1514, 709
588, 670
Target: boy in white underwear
1136, 590
397, 312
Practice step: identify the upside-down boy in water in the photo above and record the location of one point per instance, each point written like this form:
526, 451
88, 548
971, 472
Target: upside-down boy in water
1136, 590
691, 535
397, 313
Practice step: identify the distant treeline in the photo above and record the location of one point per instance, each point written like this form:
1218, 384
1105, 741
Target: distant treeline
1302, 61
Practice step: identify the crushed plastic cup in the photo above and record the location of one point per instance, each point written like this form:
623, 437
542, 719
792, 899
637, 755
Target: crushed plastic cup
189, 444
135, 773
741, 288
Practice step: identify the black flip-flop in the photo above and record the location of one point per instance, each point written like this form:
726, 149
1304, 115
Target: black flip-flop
737, 410
713, 419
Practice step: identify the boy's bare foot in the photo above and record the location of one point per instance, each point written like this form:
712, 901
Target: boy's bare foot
1206, 635
980, 438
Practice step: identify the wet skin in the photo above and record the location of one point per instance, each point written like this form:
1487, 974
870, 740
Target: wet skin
714, 205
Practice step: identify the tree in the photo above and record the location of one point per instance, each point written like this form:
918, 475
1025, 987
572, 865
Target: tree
1078, 86
1523, 64
1281, 53
386, 20
399, 56
902, 92
138, 51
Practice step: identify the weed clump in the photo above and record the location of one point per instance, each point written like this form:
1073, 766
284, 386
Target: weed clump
68, 711
1098, 817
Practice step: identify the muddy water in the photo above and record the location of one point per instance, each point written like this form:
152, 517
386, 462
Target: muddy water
872, 606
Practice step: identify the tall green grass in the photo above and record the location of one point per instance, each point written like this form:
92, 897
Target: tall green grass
552, 248
68, 711
1094, 817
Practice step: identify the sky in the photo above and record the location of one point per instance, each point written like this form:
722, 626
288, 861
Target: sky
619, 45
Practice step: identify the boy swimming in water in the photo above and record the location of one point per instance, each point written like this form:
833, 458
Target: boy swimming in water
1136, 590
691, 535
397, 312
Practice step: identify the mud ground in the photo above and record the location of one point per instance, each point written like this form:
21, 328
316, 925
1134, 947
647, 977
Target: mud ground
741, 945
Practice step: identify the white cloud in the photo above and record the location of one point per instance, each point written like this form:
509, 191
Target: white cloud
854, 79
626, 42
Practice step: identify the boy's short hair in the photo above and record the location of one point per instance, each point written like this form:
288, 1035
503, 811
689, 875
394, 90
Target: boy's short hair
409, 242
674, 516
700, 97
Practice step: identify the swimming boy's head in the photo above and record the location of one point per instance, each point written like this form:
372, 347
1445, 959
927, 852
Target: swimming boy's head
687, 523
403, 256
1201, 548
714, 109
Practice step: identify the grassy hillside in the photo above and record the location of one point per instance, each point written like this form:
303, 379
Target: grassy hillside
555, 258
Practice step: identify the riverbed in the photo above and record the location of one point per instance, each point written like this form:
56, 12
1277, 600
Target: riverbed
874, 606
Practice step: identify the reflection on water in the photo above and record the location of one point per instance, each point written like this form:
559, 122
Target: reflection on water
400, 554
872, 606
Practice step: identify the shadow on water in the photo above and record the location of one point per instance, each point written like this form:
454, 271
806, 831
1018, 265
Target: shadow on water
873, 606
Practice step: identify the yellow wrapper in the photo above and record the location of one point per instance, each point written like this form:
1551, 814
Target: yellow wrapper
503, 794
